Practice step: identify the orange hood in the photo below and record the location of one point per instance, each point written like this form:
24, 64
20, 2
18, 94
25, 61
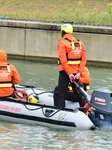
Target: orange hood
3, 56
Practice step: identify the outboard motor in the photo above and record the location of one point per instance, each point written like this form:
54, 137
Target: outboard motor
101, 100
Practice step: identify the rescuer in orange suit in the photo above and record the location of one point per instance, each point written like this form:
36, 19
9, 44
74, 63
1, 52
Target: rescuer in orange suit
72, 60
8, 76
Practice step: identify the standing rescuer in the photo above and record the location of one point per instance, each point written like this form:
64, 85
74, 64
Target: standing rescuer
8, 76
72, 61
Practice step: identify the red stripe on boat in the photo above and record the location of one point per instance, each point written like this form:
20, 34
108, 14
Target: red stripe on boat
100, 103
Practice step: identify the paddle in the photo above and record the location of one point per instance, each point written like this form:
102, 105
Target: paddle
82, 91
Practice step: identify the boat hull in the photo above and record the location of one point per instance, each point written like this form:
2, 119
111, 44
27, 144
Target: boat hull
39, 114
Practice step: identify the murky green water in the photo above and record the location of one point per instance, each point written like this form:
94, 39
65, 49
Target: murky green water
30, 137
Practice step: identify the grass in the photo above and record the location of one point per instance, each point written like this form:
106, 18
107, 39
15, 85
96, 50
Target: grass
84, 11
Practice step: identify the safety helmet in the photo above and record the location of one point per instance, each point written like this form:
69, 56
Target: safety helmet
67, 28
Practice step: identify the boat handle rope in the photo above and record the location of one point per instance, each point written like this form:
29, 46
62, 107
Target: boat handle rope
41, 92
24, 103
32, 87
32, 109
53, 113
42, 107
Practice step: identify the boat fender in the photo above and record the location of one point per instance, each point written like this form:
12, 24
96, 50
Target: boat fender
33, 99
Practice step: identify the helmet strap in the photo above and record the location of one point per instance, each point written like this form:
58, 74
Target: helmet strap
63, 33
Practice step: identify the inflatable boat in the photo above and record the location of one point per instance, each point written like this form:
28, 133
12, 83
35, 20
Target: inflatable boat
43, 112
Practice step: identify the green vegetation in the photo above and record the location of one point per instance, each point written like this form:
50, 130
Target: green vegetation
84, 11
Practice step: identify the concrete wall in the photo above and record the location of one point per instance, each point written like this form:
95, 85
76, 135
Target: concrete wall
40, 39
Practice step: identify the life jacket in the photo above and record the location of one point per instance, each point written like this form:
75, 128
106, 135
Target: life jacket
21, 95
74, 56
5, 76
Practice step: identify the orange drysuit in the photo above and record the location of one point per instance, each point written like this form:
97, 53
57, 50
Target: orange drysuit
85, 78
8, 76
72, 58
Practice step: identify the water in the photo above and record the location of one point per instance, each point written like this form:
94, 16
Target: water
30, 137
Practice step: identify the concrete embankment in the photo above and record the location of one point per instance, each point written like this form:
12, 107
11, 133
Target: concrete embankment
35, 40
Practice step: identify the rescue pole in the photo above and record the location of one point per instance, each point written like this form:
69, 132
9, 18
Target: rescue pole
82, 91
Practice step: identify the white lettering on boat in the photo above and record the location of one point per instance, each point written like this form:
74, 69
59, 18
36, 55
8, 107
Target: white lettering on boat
10, 108
99, 99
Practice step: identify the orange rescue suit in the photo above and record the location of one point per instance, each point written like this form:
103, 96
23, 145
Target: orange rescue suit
72, 57
85, 78
8, 76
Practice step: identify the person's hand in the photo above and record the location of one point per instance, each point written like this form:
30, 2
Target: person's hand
77, 76
72, 77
